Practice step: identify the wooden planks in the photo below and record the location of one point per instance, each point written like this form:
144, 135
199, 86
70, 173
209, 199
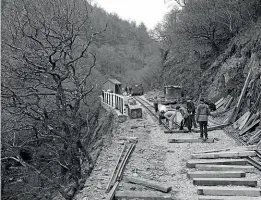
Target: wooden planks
114, 175
227, 198
225, 168
255, 138
192, 163
244, 122
225, 181
149, 183
239, 148
228, 103
150, 195
228, 191
219, 101
212, 128
121, 163
128, 138
176, 131
250, 121
237, 123
229, 154
216, 174
249, 127
124, 162
190, 140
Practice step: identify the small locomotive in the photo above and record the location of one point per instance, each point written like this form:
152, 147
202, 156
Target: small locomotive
136, 89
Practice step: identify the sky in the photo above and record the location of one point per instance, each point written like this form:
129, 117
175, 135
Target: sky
150, 12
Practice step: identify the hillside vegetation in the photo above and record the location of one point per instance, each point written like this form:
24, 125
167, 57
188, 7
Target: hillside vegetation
199, 37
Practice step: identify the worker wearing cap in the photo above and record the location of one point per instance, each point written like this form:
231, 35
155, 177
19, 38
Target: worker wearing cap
191, 111
185, 115
156, 104
202, 114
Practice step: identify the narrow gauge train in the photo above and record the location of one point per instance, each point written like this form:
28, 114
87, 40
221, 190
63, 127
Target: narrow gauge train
137, 89
172, 94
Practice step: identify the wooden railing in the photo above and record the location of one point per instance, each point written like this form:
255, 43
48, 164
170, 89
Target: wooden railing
115, 101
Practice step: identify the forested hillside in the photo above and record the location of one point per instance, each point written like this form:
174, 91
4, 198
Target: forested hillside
199, 36
124, 48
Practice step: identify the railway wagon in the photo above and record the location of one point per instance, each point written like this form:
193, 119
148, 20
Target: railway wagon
172, 94
137, 89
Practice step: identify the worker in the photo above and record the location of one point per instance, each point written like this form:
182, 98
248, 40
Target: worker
191, 111
202, 114
130, 89
126, 90
162, 111
156, 104
171, 116
211, 105
185, 115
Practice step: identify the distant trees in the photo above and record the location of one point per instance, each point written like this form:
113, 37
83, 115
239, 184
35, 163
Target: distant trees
195, 32
210, 22
122, 50
46, 66
215, 22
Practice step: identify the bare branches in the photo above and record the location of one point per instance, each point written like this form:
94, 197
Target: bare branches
87, 46
47, 65
90, 70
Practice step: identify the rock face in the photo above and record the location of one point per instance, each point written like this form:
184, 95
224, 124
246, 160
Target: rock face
227, 74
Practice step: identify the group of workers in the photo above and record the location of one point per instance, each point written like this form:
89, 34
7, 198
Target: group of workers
190, 115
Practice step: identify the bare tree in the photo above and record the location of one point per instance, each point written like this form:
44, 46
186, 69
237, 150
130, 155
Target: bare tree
46, 64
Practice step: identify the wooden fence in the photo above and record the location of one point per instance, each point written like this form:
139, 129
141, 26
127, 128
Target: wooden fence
115, 101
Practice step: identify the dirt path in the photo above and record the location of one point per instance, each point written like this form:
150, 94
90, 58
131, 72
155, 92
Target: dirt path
153, 158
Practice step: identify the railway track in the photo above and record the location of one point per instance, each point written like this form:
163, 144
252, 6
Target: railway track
150, 109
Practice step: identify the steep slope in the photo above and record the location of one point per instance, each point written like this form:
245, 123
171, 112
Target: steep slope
227, 74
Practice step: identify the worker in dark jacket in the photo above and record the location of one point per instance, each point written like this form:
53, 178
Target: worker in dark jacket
191, 111
156, 104
202, 114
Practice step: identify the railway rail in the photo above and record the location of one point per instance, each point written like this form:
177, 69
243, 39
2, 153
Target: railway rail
149, 108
